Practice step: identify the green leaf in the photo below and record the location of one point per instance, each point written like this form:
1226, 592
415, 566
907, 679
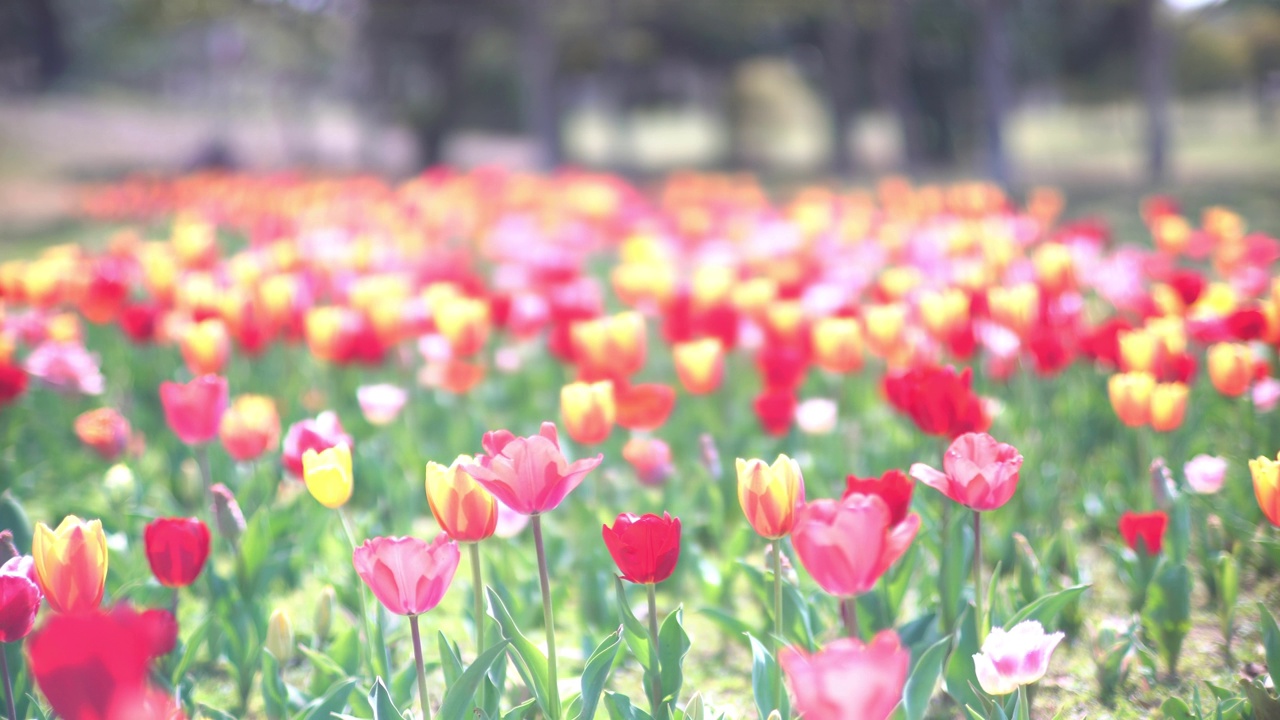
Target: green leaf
636, 633
384, 708
323, 662
519, 711
923, 679
275, 696
449, 661
1046, 609
345, 650
1176, 709
673, 646
459, 697
334, 701
189, 649
1167, 613
14, 519
529, 660
213, 713
1270, 641
764, 682
1265, 704
693, 710
961, 680
255, 547
620, 708
596, 674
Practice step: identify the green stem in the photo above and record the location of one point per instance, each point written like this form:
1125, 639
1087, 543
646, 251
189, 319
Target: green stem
364, 608
655, 692
477, 585
1024, 705
8, 682
849, 617
548, 618
422, 671
206, 472
777, 613
977, 575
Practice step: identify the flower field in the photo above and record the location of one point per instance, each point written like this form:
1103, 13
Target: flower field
489, 445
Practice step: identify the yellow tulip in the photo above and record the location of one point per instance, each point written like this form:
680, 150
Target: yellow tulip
328, 475
71, 563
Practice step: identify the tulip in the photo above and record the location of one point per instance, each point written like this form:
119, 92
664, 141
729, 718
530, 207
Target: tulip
280, 640
1131, 395
249, 427
194, 410
651, 459
1266, 486
610, 347
205, 346
1265, 394
644, 547
1231, 368
1017, 307
894, 487
645, 406
65, 366
19, 599
105, 431
13, 383
979, 472
328, 475
529, 474
847, 679
177, 549
885, 332
324, 614
464, 322
1139, 350
847, 545
381, 404
1015, 658
945, 313
1205, 474
95, 665
71, 564
227, 516
324, 432
776, 409
837, 344
588, 410
1144, 532
939, 400
699, 365
464, 509
510, 522
817, 416
1168, 406
770, 495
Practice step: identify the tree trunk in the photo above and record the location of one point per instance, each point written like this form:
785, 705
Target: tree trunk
617, 83
47, 41
1154, 49
995, 73
895, 64
444, 56
838, 46
539, 66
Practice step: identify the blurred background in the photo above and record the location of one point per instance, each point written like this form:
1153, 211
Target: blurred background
1096, 96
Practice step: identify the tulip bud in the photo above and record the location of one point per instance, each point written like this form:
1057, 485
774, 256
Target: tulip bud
280, 636
710, 456
324, 614
226, 513
7, 549
118, 480
1162, 487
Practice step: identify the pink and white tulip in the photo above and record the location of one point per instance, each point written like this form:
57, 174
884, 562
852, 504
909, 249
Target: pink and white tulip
1013, 658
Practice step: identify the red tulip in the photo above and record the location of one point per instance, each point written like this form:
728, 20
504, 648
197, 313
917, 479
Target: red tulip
782, 366
847, 545
177, 549
645, 547
776, 408
643, 407
848, 680
194, 410
19, 599
1144, 532
980, 473
529, 474
94, 665
939, 400
320, 434
13, 382
894, 487
138, 322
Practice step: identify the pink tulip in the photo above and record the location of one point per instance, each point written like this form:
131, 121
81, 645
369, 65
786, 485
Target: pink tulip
1205, 473
529, 474
194, 410
510, 522
320, 434
1266, 393
847, 545
19, 598
1014, 658
66, 367
846, 679
980, 473
409, 576
381, 404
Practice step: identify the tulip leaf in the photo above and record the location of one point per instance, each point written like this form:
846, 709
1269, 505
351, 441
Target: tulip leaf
275, 696
1176, 709
1266, 706
920, 684
519, 711
214, 713
189, 649
449, 661
636, 633
530, 662
458, 699
673, 646
1046, 608
345, 650
14, 519
330, 703
255, 546
596, 673
620, 708
1270, 641
764, 682
384, 708
323, 663
694, 710
961, 680
1167, 613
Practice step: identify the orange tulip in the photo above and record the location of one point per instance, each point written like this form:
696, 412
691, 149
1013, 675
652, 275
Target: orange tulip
205, 346
645, 406
464, 509
838, 344
611, 346
699, 365
588, 410
1131, 397
1138, 350
885, 326
1055, 268
325, 330
1266, 486
770, 495
1168, 406
1017, 307
249, 427
1172, 233
71, 564
464, 322
944, 312
1231, 368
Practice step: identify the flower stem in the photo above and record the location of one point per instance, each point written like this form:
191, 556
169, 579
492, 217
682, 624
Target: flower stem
655, 692
977, 575
8, 682
422, 671
477, 584
364, 608
849, 615
548, 618
206, 472
777, 614
1024, 707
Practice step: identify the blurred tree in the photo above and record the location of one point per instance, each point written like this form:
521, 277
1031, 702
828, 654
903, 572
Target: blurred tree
32, 43
838, 46
996, 76
1154, 51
